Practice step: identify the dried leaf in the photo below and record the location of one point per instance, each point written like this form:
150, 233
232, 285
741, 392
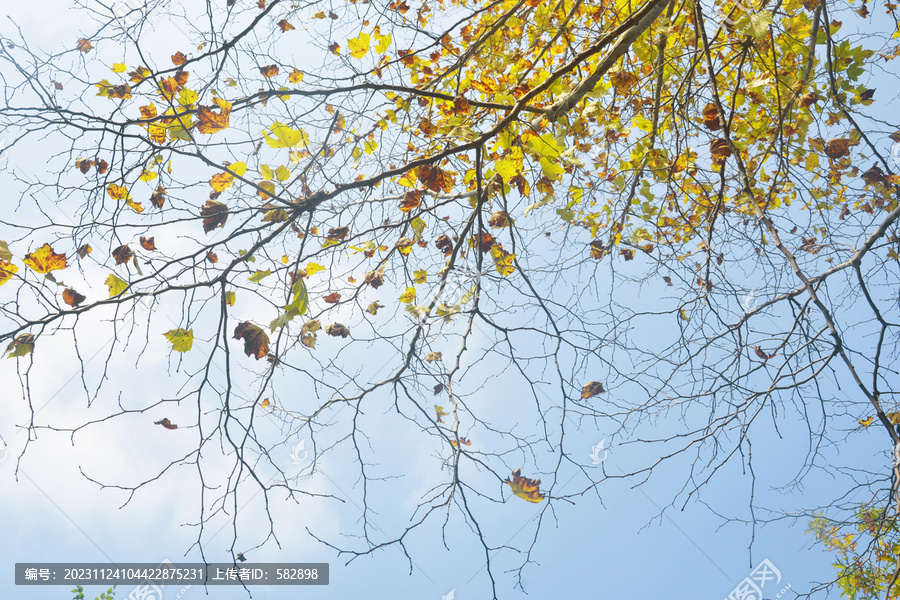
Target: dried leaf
590, 389
525, 488
214, 215
337, 330
256, 342
44, 260
72, 298
122, 254
166, 423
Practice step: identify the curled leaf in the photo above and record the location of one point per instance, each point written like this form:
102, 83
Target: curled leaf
337, 330
256, 342
44, 260
525, 488
122, 254
590, 389
72, 298
166, 423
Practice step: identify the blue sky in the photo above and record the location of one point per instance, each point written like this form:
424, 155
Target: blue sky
611, 542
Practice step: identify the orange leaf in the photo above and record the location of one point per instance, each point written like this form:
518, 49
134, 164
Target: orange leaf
148, 243
158, 198
84, 45
269, 70
214, 215
332, 298
285, 26
72, 298
762, 354
44, 260
256, 342
338, 233
117, 192
265, 403
166, 423
837, 148
435, 179
410, 201
711, 117
179, 59
590, 389
525, 488
211, 121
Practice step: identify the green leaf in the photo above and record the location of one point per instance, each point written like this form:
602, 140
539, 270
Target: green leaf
260, 275
265, 171
421, 275
182, 339
300, 301
282, 173
418, 225
5, 254
286, 137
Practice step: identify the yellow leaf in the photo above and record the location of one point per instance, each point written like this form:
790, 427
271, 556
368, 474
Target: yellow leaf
282, 173
230, 298
408, 296
7, 270
147, 175
116, 286
295, 76
119, 68
265, 171
286, 137
382, 41
182, 339
525, 488
359, 47
313, 268
44, 260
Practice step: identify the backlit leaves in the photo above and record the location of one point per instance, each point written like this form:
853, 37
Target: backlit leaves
22, 345
179, 59
72, 298
410, 201
503, 260
116, 285
182, 339
837, 148
256, 342
525, 488
435, 178
211, 121
286, 137
122, 254
7, 270
45, 260
269, 71
84, 45
590, 389
214, 215
359, 46
285, 26
148, 243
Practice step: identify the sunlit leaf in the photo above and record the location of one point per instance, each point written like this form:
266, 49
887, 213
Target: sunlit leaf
525, 488
44, 260
182, 339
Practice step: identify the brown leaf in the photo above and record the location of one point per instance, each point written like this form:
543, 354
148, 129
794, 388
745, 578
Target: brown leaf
72, 298
435, 179
212, 257
84, 250
762, 354
285, 26
166, 423
44, 260
837, 148
179, 59
668, 280
375, 279
485, 241
122, 254
148, 243
338, 233
628, 253
499, 219
525, 488
719, 149
444, 244
438, 389
256, 342
158, 198
337, 330
214, 215
411, 200
590, 389
269, 70
597, 248
332, 298
875, 175
84, 45
711, 117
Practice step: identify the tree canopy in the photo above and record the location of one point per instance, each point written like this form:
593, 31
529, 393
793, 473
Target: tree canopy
489, 228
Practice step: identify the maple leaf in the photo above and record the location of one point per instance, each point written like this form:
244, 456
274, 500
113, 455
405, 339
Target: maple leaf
444, 244
499, 219
435, 178
525, 488
256, 342
464, 441
72, 298
433, 357
84, 45
411, 200
719, 149
166, 423
837, 148
711, 117
439, 410
285, 26
211, 121
375, 279
337, 330
8, 269
148, 243
182, 339
214, 215
590, 389
332, 298
44, 260
116, 285
762, 353
295, 76
122, 254
158, 198
22, 345
179, 59
269, 71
